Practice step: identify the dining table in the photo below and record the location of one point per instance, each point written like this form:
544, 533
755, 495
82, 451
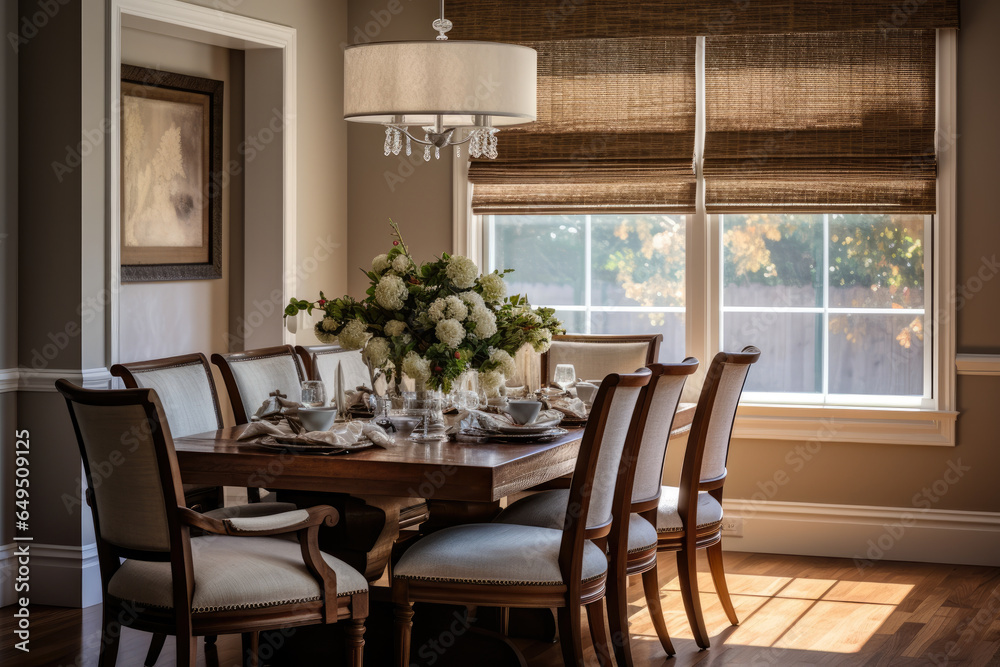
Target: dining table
460, 482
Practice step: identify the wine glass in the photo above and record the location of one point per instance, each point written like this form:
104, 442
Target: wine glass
564, 376
313, 394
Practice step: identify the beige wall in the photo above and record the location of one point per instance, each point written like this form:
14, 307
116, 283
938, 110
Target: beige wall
854, 474
169, 318
414, 193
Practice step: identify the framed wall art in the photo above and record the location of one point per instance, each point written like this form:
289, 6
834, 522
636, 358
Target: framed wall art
171, 161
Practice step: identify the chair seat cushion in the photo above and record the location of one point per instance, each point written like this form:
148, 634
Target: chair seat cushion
494, 554
669, 521
641, 534
234, 573
250, 510
545, 509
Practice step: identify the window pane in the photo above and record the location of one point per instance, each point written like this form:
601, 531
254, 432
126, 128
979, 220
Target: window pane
637, 260
876, 261
791, 348
877, 354
547, 255
772, 260
671, 325
574, 321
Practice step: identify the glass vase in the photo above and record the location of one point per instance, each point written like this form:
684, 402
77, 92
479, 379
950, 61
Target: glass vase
428, 404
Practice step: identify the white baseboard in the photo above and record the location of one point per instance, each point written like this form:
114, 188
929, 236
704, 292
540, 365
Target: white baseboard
865, 533
60, 576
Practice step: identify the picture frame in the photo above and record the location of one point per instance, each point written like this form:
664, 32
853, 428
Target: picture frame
171, 168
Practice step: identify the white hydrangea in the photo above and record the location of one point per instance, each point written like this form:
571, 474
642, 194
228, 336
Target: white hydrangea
324, 336
417, 367
543, 342
486, 321
354, 335
506, 362
377, 352
494, 287
390, 292
450, 332
436, 311
472, 299
330, 324
401, 263
457, 310
462, 271
490, 382
381, 263
394, 328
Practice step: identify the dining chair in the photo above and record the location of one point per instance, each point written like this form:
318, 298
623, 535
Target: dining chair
689, 517
156, 577
510, 565
594, 356
632, 539
252, 376
321, 363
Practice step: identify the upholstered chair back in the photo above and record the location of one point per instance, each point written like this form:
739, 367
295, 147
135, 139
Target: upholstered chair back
716, 412
185, 388
618, 396
252, 376
594, 357
662, 398
120, 433
322, 361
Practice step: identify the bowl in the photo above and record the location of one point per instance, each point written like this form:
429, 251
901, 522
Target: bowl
317, 419
523, 412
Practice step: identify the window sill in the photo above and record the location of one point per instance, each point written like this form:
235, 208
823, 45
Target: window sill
884, 426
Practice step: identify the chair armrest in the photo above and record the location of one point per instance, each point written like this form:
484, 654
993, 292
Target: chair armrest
261, 526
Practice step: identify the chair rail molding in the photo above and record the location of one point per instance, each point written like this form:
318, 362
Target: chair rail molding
865, 533
978, 364
44, 379
8, 379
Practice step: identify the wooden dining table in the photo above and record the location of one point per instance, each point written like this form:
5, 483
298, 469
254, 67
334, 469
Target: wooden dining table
461, 482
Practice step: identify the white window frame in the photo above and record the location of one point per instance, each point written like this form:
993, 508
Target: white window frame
932, 421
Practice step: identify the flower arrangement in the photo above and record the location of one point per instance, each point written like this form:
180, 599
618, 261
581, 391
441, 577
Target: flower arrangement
434, 321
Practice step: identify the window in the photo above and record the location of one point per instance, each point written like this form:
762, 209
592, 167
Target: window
604, 274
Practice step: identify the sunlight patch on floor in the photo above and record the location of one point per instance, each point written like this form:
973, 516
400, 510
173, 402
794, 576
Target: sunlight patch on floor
787, 612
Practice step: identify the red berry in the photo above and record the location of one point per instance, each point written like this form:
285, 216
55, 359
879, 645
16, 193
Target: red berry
438, 369
395, 243
457, 355
322, 302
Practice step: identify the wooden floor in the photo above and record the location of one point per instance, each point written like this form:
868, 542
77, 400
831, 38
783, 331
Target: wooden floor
793, 611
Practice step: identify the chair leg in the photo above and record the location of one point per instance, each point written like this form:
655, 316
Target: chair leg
251, 649
617, 598
687, 574
570, 637
155, 646
719, 578
599, 632
404, 626
111, 635
356, 642
187, 650
211, 639
651, 587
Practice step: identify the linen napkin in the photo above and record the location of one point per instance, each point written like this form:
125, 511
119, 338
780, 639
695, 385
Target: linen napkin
571, 407
494, 421
341, 435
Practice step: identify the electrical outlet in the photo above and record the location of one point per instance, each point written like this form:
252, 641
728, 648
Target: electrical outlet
732, 526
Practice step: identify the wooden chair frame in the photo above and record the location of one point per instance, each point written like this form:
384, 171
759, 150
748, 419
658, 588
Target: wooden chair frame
652, 340
224, 361
687, 542
568, 597
624, 564
180, 620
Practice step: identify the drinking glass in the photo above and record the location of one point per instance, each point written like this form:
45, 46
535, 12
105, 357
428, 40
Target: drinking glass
564, 376
313, 394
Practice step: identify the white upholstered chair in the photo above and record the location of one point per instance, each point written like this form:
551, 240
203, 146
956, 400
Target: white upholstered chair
509, 565
252, 376
157, 578
321, 363
594, 356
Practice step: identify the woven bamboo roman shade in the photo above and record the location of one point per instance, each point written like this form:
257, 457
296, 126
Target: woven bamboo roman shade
810, 105
821, 121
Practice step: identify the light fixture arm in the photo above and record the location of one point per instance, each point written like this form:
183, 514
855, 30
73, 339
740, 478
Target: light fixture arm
442, 25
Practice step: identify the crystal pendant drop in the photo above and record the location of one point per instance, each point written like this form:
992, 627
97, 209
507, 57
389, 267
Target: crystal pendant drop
491, 151
408, 149
397, 142
427, 153
388, 140
437, 153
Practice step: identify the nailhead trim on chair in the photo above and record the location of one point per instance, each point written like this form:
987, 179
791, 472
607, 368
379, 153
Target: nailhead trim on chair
494, 582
